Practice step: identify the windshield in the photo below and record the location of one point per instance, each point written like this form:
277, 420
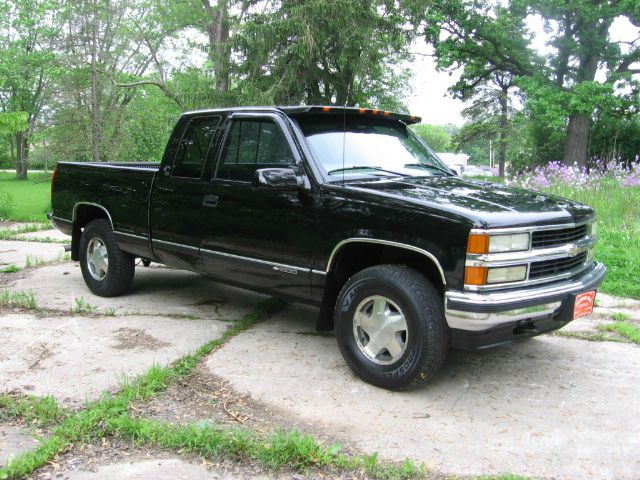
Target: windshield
372, 148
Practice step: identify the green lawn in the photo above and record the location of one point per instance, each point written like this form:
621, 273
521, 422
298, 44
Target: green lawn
28, 200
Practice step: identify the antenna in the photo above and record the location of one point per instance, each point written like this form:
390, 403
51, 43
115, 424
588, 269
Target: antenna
344, 136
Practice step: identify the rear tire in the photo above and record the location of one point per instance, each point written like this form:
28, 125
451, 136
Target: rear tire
390, 326
107, 270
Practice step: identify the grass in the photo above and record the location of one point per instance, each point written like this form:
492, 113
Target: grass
81, 307
30, 199
7, 234
38, 411
19, 299
10, 269
620, 317
33, 261
625, 329
109, 312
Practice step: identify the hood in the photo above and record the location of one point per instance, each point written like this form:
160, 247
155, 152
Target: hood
485, 204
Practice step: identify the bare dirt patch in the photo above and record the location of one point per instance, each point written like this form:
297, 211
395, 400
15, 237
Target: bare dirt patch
130, 338
204, 397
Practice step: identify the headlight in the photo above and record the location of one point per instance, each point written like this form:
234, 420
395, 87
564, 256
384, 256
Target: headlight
493, 275
507, 274
514, 242
593, 229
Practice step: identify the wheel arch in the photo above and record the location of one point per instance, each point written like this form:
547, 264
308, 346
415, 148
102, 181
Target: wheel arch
83, 213
354, 254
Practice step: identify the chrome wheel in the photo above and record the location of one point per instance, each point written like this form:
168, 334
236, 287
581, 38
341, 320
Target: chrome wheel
380, 330
97, 258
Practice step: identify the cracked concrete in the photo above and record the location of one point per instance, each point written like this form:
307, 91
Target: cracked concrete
14, 441
77, 358
550, 406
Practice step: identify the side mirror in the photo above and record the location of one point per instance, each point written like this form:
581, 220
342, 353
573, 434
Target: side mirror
278, 178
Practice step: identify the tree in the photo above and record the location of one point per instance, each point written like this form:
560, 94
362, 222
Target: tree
583, 45
487, 41
340, 52
435, 135
28, 65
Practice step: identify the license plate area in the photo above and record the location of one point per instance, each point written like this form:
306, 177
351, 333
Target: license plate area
584, 304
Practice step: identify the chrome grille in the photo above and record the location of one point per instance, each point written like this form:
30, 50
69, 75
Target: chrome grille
550, 268
554, 238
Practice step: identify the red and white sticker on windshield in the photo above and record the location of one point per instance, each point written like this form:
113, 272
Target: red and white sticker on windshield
584, 304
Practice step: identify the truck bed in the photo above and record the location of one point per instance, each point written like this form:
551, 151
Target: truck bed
122, 188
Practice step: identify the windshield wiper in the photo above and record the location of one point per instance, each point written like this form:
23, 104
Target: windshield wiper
428, 167
362, 167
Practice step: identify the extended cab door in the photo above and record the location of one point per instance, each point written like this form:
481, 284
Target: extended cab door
257, 235
176, 197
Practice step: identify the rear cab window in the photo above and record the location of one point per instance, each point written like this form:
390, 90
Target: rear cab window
194, 146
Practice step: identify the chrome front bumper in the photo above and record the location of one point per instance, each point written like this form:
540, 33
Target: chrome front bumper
483, 311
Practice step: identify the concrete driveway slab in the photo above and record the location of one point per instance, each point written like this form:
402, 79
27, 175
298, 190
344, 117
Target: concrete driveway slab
77, 358
17, 252
156, 469
550, 406
14, 441
47, 234
155, 291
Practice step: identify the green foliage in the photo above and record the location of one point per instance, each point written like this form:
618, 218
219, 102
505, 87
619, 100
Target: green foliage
10, 269
436, 136
626, 329
39, 411
12, 122
324, 52
81, 307
7, 206
18, 299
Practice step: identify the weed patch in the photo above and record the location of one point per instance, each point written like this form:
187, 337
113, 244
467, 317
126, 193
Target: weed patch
625, 329
33, 261
19, 299
11, 269
81, 307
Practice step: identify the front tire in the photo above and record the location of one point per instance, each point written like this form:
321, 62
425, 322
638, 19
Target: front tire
107, 270
390, 326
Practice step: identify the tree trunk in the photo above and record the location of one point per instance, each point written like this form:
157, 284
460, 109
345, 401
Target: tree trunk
504, 126
577, 142
13, 152
95, 126
218, 32
22, 142
576, 146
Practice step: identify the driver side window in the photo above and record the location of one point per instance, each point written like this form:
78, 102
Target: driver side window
253, 144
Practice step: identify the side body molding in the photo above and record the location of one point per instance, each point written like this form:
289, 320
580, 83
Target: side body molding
421, 251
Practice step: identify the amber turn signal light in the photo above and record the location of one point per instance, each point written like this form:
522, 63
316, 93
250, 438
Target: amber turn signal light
478, 244
475, 275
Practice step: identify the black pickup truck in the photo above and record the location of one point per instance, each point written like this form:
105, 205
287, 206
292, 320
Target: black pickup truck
347, 209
